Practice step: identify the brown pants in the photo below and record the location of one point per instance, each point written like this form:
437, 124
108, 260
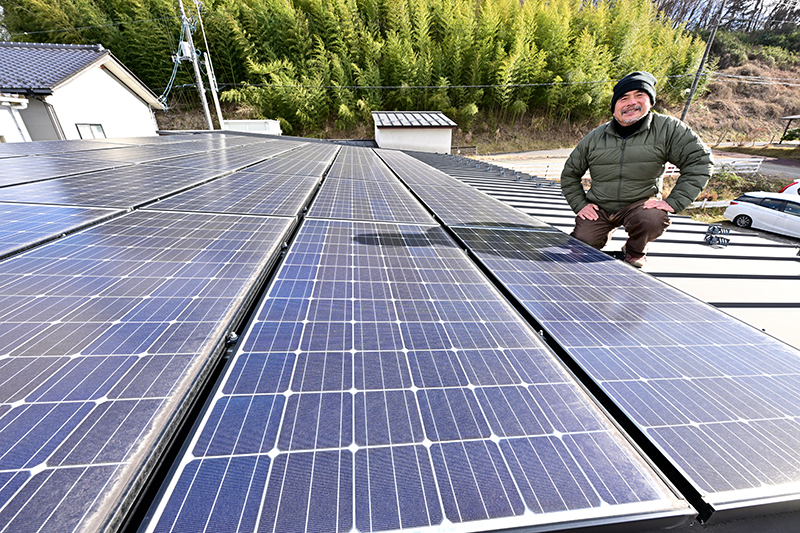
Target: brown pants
642, 225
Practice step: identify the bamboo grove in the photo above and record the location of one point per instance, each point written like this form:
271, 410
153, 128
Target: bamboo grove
310, 62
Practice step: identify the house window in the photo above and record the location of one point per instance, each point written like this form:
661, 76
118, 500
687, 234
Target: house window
91, 131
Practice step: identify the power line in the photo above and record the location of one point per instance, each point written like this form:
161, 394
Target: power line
93, 27
426, 87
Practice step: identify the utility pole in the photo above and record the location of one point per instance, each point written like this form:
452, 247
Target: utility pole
198, 79
703, 61
212, 78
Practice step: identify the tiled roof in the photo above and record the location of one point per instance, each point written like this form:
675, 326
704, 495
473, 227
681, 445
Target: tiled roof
412, 119
38, 66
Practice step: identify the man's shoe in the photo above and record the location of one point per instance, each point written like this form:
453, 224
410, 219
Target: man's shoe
638, 262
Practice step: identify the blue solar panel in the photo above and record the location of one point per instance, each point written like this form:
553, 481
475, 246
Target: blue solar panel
385, 385
718, 398
307, 159
16, 170
247, 193
360, 163
125, 187
453, 202
25, 226
230, 159
105, 335
367, 200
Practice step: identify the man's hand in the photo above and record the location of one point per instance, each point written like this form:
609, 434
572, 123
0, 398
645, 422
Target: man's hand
653, 203
589, 212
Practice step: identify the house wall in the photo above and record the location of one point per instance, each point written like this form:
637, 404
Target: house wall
96, 97
38, 121
12, 129
436, 140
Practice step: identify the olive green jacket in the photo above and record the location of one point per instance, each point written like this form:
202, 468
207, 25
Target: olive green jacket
624, 171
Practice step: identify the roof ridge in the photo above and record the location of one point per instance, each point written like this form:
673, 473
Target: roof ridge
96, 47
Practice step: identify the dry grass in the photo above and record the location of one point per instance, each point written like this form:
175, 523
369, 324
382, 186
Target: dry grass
741, 112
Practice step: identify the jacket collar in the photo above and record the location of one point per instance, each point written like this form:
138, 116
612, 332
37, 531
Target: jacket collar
648, 119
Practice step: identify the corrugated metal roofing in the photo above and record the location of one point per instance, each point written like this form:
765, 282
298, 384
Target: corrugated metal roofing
412, 119
37, 66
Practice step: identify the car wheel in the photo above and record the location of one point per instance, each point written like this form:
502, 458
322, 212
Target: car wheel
743, 221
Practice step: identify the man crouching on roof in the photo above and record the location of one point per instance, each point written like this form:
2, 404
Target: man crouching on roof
626, 158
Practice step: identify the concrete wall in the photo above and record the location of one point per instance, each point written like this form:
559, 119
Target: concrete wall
96, 97
436, 140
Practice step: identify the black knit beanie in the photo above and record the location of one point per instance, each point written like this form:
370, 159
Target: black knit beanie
635, 81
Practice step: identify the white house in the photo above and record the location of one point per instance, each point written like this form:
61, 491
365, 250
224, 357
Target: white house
420, 131
62, 91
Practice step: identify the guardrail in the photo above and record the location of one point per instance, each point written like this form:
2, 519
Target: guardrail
551, 168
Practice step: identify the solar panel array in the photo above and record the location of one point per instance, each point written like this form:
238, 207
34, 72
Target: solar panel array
386, 385
105, 334
25, 226
385, 381
453, 202
718, 398
248, 193
108, 333
125, 187
16, 170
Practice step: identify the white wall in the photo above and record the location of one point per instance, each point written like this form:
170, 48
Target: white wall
12, 129
436, 140
96, 97
271, 127
38, 122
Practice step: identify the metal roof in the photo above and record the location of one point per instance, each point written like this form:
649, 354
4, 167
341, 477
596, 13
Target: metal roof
754, 278
412, 119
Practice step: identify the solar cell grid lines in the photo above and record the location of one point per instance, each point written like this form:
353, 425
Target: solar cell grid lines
720, 399
367, 200
27, 225
384, 385
51, 147
125, 187
230, 159
247, 193
136, 154
103, 335
16, 170
310, 159
360, 163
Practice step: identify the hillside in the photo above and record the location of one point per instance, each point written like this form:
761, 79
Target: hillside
733, 110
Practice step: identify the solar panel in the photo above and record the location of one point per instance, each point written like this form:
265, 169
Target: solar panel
105, 336
16, 170
360, 163
415, 172
386, 385
247, 193
719, 399
367, 200
229, 160
25, 226
452, 201
305, 160
125, 187
137, 154
51, 147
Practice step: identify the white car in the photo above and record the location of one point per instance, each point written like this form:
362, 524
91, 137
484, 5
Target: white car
771, 211
792, 188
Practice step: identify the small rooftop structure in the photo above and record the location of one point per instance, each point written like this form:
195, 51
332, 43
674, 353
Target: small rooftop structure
422, 131
73, 92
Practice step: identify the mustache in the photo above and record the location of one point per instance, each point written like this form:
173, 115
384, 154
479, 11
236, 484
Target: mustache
632, 107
